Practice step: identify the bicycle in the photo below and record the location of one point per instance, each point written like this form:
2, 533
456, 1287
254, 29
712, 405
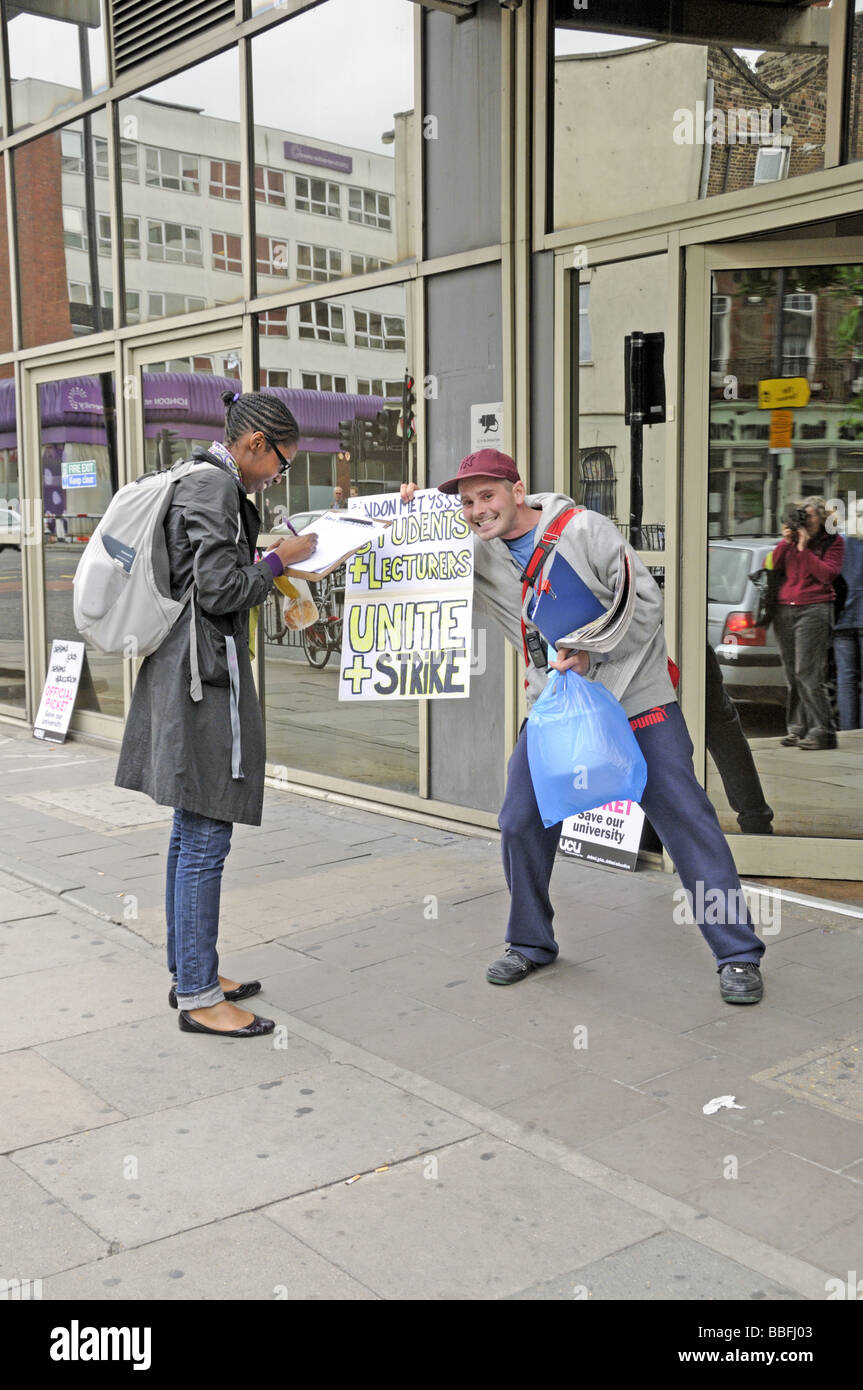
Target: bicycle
274, 622
324, 636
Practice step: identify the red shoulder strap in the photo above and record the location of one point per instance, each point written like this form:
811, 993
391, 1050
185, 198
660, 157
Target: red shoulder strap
549, 539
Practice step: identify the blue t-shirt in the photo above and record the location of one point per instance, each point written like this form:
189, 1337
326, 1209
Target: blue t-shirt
521, 548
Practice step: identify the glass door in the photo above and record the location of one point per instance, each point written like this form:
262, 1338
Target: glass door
72, 470
774, 469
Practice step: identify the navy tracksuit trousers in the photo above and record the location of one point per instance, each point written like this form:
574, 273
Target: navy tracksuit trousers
677, 807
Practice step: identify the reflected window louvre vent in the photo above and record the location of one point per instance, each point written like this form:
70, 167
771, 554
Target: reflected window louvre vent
141, 33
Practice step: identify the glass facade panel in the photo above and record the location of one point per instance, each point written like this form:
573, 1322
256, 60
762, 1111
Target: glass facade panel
16, 523
64, 233
344, 446
616, 300
331, 159
78, 455
182, 404
181, 184
711, 119
801, 325
54, 62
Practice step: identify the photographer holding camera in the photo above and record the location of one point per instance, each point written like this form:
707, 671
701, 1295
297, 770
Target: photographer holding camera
808, 560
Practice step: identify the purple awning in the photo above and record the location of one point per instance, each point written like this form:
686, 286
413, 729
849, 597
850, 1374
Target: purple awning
187, 402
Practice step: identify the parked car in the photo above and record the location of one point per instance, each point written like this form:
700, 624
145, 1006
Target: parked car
299, 521
747, 653
10, 528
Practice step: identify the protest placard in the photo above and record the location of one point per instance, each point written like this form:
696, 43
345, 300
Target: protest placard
609, 835
408, 602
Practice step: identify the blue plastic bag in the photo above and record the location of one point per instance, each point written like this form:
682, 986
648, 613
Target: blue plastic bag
580, 749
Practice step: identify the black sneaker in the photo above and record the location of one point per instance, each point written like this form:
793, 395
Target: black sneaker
509, 968
819, 741
740, 982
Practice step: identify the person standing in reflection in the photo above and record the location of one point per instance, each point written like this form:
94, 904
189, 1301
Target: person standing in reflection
807, 560
727, 746
339, 502
194, 738
848, 639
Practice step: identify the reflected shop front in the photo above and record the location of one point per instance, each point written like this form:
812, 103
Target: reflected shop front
406, 240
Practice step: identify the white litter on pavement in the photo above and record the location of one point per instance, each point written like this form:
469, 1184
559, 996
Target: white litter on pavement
721, 1103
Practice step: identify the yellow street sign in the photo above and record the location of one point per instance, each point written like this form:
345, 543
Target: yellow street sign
783, 392
781, 426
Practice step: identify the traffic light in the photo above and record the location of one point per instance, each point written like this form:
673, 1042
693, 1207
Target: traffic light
407, 424
367, 430
382, 429
346, 439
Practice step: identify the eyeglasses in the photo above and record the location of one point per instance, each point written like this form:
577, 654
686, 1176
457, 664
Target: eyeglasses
284, 463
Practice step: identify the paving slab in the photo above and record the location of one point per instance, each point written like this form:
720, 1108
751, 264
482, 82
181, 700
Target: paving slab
582, 1108
244, 1257
66, 1000
274, 1139
40, 1101
501, 1071
16, 906
39, 1234
764, 1035
665, 1267
30, 945
782, 1199
150, 1065
768, 1115
840, 1250
673, 1151
516, 1216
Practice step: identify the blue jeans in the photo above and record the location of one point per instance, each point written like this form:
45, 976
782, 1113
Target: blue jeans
196, 856
848, 650
680, 813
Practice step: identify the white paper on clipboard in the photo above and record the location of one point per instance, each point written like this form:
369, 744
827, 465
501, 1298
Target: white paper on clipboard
339, 535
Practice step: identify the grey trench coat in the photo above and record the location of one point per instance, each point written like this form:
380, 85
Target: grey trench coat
175, 750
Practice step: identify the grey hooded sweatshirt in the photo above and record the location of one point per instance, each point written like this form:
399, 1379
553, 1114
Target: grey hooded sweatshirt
593, 546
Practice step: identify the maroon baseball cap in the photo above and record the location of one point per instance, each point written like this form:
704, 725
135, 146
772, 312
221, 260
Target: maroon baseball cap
485, 463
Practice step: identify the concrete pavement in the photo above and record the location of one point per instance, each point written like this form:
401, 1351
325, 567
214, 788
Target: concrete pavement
409, 1131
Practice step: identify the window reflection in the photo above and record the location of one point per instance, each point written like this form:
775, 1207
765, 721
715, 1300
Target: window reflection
78, 451
615, 300
341, 366
331, 159
64, 233
798, 328
54, 62
182, 216
712, 119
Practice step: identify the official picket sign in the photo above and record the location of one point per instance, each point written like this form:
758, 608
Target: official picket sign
60, 690
408, 602
609, 835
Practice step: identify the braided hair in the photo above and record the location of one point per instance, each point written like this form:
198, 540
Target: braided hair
258, 410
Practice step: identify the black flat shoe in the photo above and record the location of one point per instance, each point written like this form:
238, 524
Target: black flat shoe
232, 995
740, 982
511, 967
255, 1029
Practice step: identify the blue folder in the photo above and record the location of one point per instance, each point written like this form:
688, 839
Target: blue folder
568, 603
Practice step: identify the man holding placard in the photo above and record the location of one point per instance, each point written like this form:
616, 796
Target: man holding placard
612, 593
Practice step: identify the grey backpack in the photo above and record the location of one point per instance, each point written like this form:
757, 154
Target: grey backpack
122, 590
